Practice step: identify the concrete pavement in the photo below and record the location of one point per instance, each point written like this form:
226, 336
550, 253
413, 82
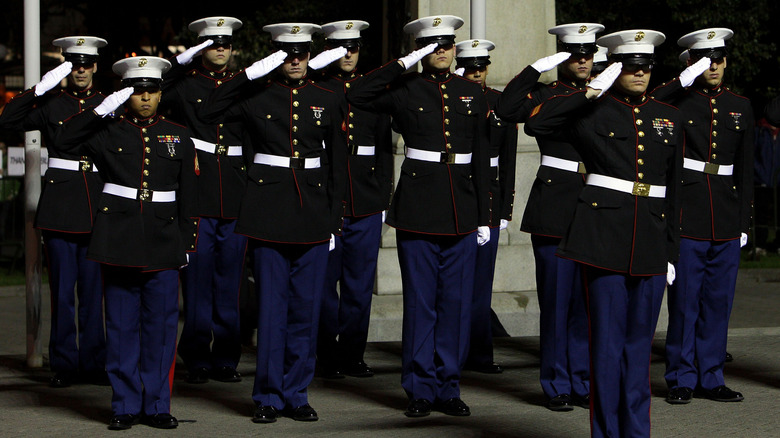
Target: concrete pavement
505, 405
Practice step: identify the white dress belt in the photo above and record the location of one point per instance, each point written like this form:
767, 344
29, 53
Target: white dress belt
709, 168
361, 150
560, 163
293, 163
217, 149
139, 194
82, 165
493, 161
438, 157
621, 185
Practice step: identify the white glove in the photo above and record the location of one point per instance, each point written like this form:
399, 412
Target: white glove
413, 58
483, 235
332, 243
326, 57
670, 274
694, 71
503, 225
186, 56
742, 240
113, 101
550, 62
460, 71
384, 215
265, 65
52, 78
606, 78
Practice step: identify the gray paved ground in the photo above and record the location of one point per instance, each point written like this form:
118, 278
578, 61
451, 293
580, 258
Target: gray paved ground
503, 405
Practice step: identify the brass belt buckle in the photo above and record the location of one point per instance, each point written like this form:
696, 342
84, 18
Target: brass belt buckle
144, 195
711, 168
352, 149
581, 167
297, 163
447, 158
641, 189
221, 150
86, 165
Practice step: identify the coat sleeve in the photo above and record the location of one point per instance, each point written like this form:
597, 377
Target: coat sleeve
519, 97
744, 172
219, 106
384, 158
188, 198
480, 158
25, 112
507, 163
337, 176
673, 205
668, 92
373, 91
75, 133
548, 117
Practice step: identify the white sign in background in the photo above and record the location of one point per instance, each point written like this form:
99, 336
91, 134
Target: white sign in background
16, 160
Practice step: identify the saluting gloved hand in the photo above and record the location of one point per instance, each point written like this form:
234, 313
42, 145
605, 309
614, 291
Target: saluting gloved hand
550, 62
186, 56
413, 58
742, 240
694, 71
670, 273
112, 102
604, 80
326, 57
460, 71
483, 235
53, 77
504, 224
266, 65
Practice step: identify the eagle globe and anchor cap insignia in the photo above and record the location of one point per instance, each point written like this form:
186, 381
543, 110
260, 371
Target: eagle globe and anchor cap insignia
142, 62
80, 42
436, 21
475, 43
221, 22
711, 35
639, 36
349, 25
583, 29
295, 29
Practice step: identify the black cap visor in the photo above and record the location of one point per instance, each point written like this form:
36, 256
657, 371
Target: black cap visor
293, 48
578, 48
219, 40
442, 40
349, 44
634, 58
598, 67
473, 62
712, 53
143, 84
81, 59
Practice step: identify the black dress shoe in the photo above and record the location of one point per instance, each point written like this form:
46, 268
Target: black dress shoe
304, 413
226, 374
63, 379
679, 396
358, 369
582, 401
161, 421
418, 408
560, 403
265, 414
123, 422
455, 407
198, 376
720, 393
729, 357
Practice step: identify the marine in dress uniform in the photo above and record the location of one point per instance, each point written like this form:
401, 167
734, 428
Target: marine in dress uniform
346, 309
473, 57
564, 370
70, 184
625, 230
210, 343
717, 198
440, 201
292, 206
145, 225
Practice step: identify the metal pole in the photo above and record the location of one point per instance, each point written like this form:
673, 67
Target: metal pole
478, 21
32, 188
